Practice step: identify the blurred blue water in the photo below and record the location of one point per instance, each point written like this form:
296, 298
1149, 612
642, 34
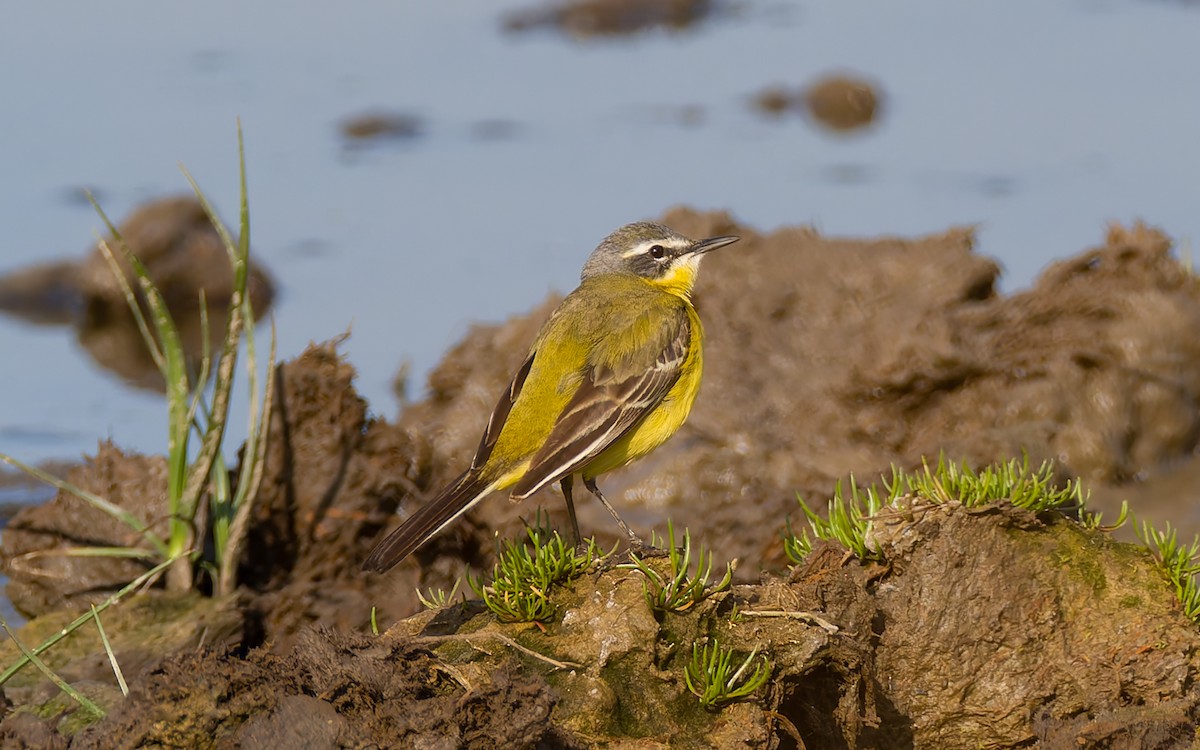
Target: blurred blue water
1039, 120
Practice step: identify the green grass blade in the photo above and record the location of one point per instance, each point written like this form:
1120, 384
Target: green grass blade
219, 410
130, 299
83, 701
129, 553
172, 365
108, 650
135, 309
115, 511
250, 476
142, 580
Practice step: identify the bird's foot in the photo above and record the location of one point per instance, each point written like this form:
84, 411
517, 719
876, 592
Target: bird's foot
644, 549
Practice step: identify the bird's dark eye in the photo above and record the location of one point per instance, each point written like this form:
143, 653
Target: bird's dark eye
657, 252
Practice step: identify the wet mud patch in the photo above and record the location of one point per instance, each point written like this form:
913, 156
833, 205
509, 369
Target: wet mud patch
43, 579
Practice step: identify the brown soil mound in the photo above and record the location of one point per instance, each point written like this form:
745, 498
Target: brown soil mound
41, 579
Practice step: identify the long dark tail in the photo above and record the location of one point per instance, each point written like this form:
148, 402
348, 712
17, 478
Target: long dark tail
430, 518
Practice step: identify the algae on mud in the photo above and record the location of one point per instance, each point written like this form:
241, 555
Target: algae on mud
869, 354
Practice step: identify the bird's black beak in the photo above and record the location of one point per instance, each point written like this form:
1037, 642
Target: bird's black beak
706, 246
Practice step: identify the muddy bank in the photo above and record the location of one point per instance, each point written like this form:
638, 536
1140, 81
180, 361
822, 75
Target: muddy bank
987, 628
825, 357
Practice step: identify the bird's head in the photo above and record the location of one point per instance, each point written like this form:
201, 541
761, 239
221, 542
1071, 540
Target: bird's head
660, 255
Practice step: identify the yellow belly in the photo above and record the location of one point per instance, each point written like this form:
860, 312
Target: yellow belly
659, 425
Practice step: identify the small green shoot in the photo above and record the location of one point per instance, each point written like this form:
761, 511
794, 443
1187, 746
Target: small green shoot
684, 588
434, 599
526, 572
848, 523
1013, 480
711, 676
374, 622
1179, 564
850, 515
1094, 519
736, 616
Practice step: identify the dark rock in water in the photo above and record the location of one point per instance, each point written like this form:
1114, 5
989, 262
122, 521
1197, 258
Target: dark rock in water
183, 254
773, 100
843, 103
370, 126
840, 103
47, 293
586, 18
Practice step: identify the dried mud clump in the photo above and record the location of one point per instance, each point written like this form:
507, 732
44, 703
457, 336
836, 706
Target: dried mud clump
992, 625
332, 479
40, 577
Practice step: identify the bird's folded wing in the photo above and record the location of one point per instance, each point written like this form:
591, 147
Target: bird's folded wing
500, 416
610, 401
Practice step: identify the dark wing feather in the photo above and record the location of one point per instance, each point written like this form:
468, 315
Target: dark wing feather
601, 411
428, 520
500, 415
455, 499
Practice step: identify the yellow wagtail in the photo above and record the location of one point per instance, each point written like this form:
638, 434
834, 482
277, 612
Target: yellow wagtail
612, 374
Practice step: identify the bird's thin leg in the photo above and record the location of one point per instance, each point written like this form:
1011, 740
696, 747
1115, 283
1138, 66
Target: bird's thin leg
566, 489
591, 485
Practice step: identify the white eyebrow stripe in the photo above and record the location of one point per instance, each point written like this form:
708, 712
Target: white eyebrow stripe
644, 247
641, 249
